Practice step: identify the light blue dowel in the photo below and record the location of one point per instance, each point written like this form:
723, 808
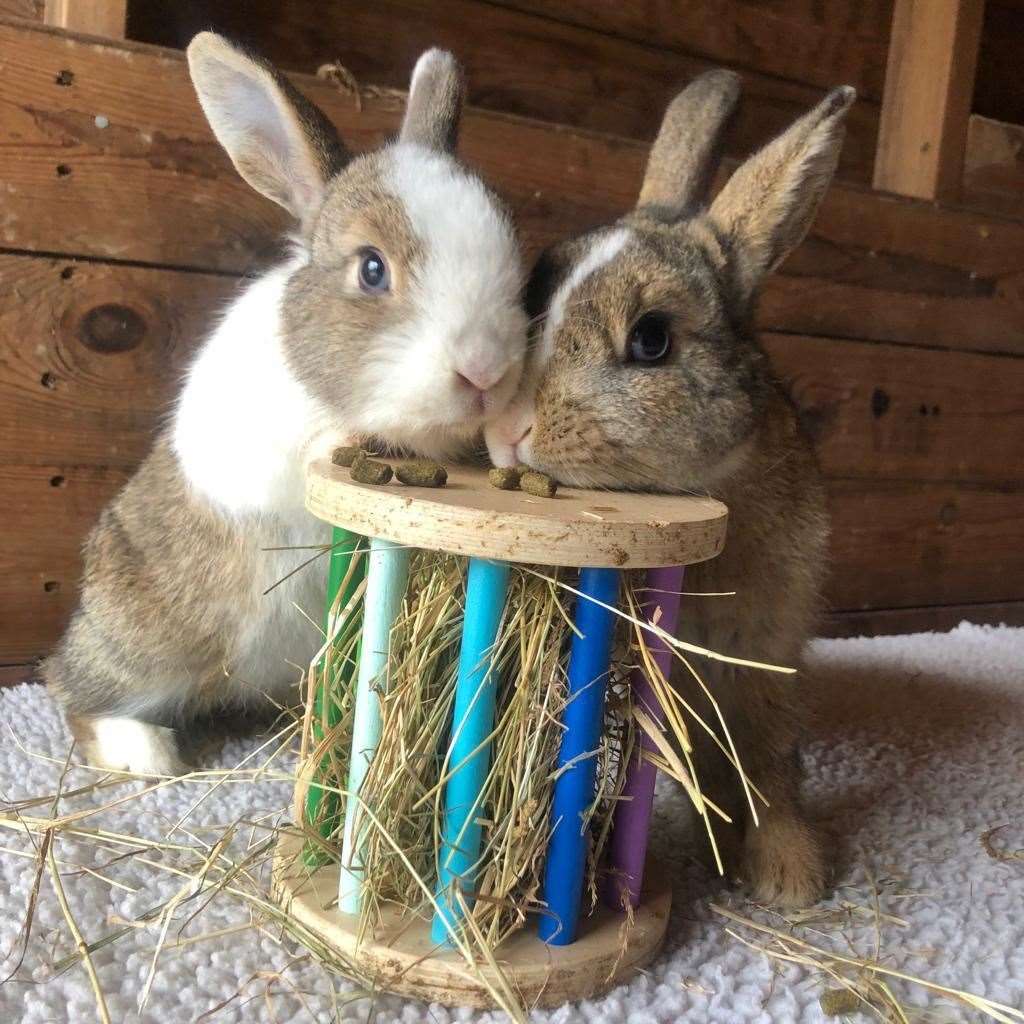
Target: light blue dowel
589, 664
387, 573
472, 723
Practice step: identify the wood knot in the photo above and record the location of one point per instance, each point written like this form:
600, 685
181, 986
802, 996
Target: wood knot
112, 328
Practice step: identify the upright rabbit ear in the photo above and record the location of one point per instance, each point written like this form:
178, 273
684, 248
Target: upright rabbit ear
767, 206
436, 93
279, 142
685, 154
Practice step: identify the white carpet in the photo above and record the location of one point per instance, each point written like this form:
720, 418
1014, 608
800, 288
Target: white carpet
922, 753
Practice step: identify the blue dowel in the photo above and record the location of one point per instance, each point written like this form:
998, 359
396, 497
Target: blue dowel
470, 759
589, 662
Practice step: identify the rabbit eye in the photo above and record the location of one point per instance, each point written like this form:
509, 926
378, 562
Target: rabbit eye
373, 272
650, 340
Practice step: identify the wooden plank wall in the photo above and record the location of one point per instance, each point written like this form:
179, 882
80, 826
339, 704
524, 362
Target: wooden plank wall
607, 66
899, 325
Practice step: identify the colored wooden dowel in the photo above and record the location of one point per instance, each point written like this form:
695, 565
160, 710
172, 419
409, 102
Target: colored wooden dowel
470, 757
589, 663
322, 809
386, 577
631, 826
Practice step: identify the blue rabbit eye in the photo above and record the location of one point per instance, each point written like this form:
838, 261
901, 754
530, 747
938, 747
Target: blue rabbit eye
650, 341
373, 272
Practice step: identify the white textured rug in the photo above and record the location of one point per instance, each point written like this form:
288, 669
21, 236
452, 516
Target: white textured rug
922, 754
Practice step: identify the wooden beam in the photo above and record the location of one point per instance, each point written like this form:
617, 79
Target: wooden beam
929, 84
92, 17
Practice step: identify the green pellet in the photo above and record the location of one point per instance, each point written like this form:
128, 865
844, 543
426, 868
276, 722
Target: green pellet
835, 1002
422, 473
506, 479
346, 456
539, 484
370, 471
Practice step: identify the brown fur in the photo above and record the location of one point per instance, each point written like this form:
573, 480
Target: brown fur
712, 420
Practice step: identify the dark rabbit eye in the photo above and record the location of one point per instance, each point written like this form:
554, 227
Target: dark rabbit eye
373, 272
650, 340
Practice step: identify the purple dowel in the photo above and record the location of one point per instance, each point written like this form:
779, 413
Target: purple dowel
633, 814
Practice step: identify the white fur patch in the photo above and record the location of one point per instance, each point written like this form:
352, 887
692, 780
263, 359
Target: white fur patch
124, 744
243, 420
603, 250
466, 298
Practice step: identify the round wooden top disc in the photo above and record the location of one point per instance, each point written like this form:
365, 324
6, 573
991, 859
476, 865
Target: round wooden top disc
613, 529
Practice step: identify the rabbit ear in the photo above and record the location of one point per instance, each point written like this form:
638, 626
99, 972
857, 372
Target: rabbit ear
767, 206
434, 107
279, 142
685, 154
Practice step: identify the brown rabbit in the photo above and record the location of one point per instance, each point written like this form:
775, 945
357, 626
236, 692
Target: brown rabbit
397, 316
646, 374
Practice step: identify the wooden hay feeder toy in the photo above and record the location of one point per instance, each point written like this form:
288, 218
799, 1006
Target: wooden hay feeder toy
601, 533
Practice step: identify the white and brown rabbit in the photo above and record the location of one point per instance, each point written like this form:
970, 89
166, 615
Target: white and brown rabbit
398, 316
646, 374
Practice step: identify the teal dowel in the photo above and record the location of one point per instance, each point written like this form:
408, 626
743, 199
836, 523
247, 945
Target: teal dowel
470, 757
386, 578
322, 808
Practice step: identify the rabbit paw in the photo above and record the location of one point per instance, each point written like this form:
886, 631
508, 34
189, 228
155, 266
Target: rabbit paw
784, 863
124, 744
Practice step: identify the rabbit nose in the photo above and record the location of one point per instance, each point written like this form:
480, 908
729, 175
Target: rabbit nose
482, 378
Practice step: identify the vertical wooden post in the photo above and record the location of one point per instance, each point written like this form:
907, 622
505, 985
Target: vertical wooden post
470, 757
387, 573
929, 84
589, 664
633, 813
95, 17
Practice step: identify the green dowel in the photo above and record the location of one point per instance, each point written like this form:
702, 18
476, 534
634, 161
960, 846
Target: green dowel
323, 809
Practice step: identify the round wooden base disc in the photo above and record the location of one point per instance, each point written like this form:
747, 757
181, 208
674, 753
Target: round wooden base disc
401, 957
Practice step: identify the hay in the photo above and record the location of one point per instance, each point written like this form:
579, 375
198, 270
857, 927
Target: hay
406, 780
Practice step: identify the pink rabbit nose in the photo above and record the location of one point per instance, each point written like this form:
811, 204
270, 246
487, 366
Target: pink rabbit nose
478, 377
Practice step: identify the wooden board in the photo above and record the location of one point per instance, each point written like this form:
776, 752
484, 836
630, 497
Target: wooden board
994, 165
929, 84
576, 527
402, 958
886, 412
154, 187
907, 543
821, 42
47, 512
935, 618
92, 354
536, 65
31, 9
